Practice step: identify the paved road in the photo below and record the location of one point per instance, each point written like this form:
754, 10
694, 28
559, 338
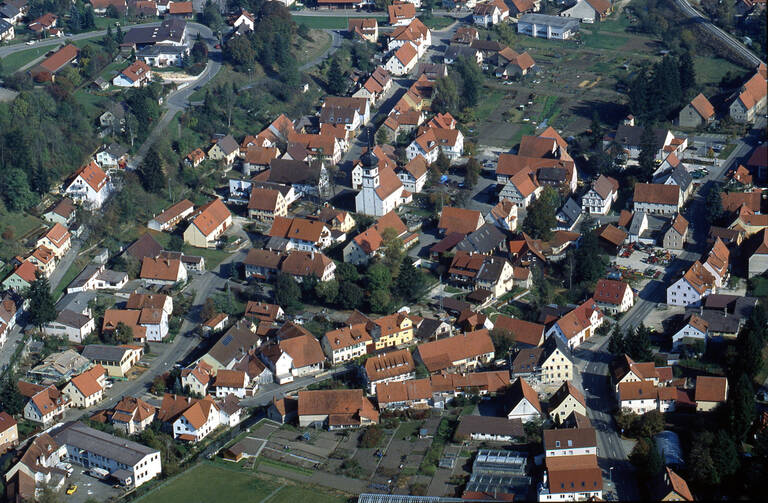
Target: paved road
733, 44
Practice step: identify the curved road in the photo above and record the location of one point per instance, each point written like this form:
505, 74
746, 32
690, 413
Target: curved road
726, 38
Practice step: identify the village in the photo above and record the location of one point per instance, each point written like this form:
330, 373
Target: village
345, 253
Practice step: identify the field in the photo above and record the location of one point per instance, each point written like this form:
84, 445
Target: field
709, 71
327, 22
207, 482
13, 62
438, 22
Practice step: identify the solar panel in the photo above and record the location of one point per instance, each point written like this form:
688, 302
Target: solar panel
226, 340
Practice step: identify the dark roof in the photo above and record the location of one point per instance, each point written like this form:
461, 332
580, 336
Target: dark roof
103, 352
570, 212
630, 135
290, 172
145, 246
484, 240
122, 450
72, 319
490, 425
170, 30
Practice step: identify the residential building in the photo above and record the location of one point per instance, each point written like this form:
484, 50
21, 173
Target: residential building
692, 288
57, 239
717, 262
53, 64
710, 392
625, 370
433, 140
208, 224
549, 364
130, 415
365, 28
750, 99
589, 11
307, 180
86, 389
300, 234
571, 478
197, 378
670, 486
266, 264
524, 402
46, 404
172, 216
266, 204
393, 330
294, 357
350, 112
657, 199
526, 333
699, 112
137, 74
676, 234
62, 212
392, 366
57, 367
490, 13
436, 390
336, 409
97, 277
521, 189
189, 419
163, 56
117, 361
21, 278
694, 328
640, 397
600, 197
7, 32
89, 186
131, 463
545, 26
459, 220
489, 429
578, 325
401, 13
503, 215
757, 263
72, 325
367, 245
172, 31
566, 400
461, 352
232, 382
9, 432
570, 442
403, 60
346, 343
613, 296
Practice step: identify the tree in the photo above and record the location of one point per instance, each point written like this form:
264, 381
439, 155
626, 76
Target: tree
595, 131
287, 292
410, 281
687, 73
650, 423
472, 80
350, 295
12, 400
647, 156
702, 467
380, 301
445, 96
209, 310
590, 261
123, 333
240, 52
327, 291
347, 272
616, 342
750, 349
371, 437
637, 344
42, 306
112, 12
713, 204
472, 172
540, 218
504, 341
199, 52
379, 277
725, 457
15, 191
119, 36
151, 172
211, 16
392, 250
337, 79
741, 407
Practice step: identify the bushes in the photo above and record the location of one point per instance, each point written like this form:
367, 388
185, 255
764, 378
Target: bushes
371, 437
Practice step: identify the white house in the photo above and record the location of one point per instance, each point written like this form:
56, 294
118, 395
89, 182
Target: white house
600, 196
403, 60
197, 421
111, 155
521, 189
231, 382
346, 343
657, 199
490, 13
74, 326
545, 26
588, 11
414, 174
695, 328
136, 74
613, 296
433, 140
525, 402
570, 442
696, 283
89, 186
86, 389
578, 325
45, 404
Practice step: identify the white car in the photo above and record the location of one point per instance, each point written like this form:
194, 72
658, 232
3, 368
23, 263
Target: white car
31, 42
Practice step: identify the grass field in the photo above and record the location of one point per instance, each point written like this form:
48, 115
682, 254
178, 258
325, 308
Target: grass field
327, 22
603, 41
709, 71
207, 482
490, 102
309, 50
437, 22
13, 62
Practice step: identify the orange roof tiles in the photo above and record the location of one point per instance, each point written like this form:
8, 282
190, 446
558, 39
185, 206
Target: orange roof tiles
702, 106
610, 291
93, 175
461, 220
711, 389
345, 337
165, 269
305, 350
387, 365
60, 58
656, 193
210, 216
575, 321
441, 354
524, 331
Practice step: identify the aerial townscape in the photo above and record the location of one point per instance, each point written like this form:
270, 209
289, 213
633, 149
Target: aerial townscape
383, 251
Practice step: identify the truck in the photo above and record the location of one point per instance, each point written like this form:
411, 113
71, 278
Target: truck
99, 473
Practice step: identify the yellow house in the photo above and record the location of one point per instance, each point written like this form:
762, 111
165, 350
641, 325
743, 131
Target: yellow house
225, 149
208, 225
556, 366
566, 399
392, 330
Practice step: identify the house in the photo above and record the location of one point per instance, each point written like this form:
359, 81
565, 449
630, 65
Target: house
393, 330
489, 429
57, 239
258, 158
46, 404
111, 156
86, 389
244, 18
336, 409
159, 271
304, 352
750, 99
72, 325
368, 244
628, 136
699, 112
670, 486
163, 56
21, 278
578, 325
717, 262
496, 275
571, 478
194, 158
521, 189
263, 311
130, 415
677, 176
7, 32
58, 367
189, 419
9, 432
266, 204
63, 212
300, 234
365, 28
625, 370
183, 10
137, 74
306, 180
545, 26
694, 328
350, 112
172, 31
56, 62
45, 261
375, 86
346, 343
339, 221
131, 463
208, 224
97, 277
466, 351
456, 52
566, 400
170, 217
758, 259
225, 149
487, 239
676, 234
196, 379
526, 333
232, 382
710, 392
403, 60
117, 361
690, 290
265, 264
657, 199
459, 220
639, 397
601, 195
490, 13
613, 296
510, 64
465, 35
548, 364
401, 13
503, 215
433, 140
589, 11
570, 442
524, 402
392, 366
436, 390
89, 186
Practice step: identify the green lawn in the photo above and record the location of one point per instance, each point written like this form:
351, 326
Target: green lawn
491, 100
408, 430
437, 22
710, 70
327, 22
13, 62
213, 257
73, 271
613, 24
92, 103
603, 41
206, 482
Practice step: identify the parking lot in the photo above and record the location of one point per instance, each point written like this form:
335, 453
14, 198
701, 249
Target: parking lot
89, 487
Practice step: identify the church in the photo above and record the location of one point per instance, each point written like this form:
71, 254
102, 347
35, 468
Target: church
382, 191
